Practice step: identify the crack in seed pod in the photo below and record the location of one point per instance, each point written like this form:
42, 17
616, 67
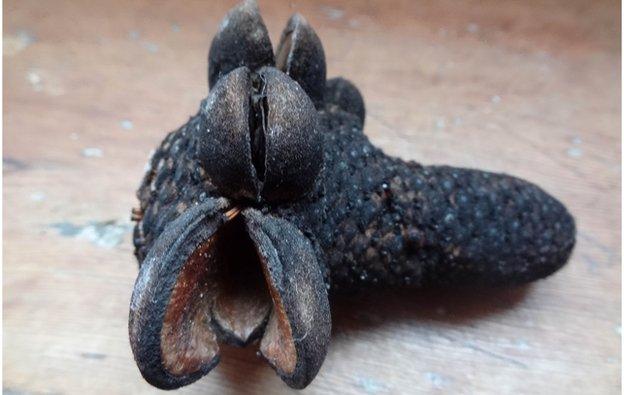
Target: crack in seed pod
258, 124
260, 138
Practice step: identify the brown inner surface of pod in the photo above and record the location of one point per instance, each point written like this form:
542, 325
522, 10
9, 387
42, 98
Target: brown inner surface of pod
277, 344
187, 341
224, 294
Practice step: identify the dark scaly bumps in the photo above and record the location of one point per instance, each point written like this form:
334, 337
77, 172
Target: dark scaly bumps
386, 222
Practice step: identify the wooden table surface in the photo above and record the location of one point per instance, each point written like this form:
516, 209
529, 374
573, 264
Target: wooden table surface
530, 89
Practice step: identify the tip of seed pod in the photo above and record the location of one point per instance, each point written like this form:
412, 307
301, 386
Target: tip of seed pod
297, 18
248, 7
251, 5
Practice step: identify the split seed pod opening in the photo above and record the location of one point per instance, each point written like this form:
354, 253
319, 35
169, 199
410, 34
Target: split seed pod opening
213, 278
260, 137
243, 40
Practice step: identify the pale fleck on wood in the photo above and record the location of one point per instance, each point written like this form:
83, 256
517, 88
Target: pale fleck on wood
529, 88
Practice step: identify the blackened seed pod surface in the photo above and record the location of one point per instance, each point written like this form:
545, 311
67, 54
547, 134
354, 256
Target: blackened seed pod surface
294, 143
242, 40
224, 145
342, 93
377, 220
384, 222
300, 55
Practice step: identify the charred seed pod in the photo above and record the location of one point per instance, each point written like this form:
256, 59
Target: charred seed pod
242, 40
259, 204
300, 54
343, 94
260, 136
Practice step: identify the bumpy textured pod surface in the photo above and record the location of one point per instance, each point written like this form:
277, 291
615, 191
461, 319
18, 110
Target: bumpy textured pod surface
217, 266
385, 222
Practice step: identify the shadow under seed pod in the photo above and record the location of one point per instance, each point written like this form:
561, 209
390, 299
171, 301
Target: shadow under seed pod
362, 311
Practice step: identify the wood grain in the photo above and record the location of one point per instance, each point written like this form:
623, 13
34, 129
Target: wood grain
529, 88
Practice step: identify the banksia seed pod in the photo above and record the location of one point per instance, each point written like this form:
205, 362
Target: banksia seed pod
260, 137
272, 195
